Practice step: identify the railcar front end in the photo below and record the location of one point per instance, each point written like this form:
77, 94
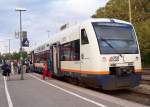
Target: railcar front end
113, 52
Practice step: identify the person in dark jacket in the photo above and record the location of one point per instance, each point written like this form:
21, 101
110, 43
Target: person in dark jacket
6, 70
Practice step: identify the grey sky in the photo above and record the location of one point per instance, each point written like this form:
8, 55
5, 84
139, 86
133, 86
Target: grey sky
41, 16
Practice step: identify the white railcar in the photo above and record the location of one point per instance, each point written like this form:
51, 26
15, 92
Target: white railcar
101, 52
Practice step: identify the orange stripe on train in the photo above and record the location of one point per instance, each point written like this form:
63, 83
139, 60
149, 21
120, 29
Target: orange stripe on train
93, 72
138, 70
86, 72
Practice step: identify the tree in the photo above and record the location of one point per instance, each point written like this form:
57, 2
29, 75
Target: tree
7, 56
119, 9
14, 56
24, 54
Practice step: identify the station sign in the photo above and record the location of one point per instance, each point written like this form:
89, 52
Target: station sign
24, 34
25, 42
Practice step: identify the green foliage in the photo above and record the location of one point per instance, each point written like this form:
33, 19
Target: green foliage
143, 33
24, 55
7, 56
14, 56
140, 19
119, 9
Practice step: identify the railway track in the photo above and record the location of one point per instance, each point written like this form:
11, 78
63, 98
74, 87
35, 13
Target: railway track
145, 81
146, 77
128, 94
146, 72
134, 95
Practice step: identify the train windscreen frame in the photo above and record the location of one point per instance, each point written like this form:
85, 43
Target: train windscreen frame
115, 38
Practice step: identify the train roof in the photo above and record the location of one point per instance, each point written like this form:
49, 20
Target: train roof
58, 35
107, 20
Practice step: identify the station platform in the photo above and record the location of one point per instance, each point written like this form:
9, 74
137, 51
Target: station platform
35, 92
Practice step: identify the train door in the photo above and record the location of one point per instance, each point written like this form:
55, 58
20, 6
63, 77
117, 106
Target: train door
56, 59
50, 59
32, 57
84, 51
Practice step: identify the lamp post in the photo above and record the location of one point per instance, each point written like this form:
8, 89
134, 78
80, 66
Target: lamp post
48, 31
6, 48
9, 45
20, 33
130, 13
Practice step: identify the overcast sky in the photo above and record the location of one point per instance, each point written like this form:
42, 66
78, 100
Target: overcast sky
41, 16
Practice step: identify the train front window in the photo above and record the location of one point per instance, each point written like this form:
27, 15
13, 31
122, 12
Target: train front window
116, 38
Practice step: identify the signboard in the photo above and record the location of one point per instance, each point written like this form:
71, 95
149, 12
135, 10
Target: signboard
25, 42
17, 35
24, 34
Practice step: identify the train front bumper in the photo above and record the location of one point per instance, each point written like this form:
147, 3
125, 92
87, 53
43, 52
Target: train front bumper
113, 82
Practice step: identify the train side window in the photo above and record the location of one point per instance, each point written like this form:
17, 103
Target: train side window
75, 50
84, 38
65, 52
70, 51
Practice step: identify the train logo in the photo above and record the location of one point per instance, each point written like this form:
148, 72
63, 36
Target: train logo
114, 58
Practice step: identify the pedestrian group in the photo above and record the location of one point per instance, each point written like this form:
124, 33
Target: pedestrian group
15, 68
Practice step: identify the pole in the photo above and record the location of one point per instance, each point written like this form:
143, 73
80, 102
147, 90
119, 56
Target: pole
6, 48
20, 34
21, 46
9, 45
48, 33
130, 12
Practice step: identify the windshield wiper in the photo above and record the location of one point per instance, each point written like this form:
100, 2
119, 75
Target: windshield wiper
105, 40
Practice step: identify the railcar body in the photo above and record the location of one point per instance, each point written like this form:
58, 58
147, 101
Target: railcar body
101, 52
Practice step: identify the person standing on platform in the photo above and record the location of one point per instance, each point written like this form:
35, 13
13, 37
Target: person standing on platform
12, 67
46, 72
18, 67
6, 70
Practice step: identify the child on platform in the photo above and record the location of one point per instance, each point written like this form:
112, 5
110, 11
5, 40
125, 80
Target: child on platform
46, 72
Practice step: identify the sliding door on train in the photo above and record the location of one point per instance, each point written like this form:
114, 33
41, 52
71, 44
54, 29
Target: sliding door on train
56, 59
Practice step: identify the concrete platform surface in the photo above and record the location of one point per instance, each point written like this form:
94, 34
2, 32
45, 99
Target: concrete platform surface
34, 92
